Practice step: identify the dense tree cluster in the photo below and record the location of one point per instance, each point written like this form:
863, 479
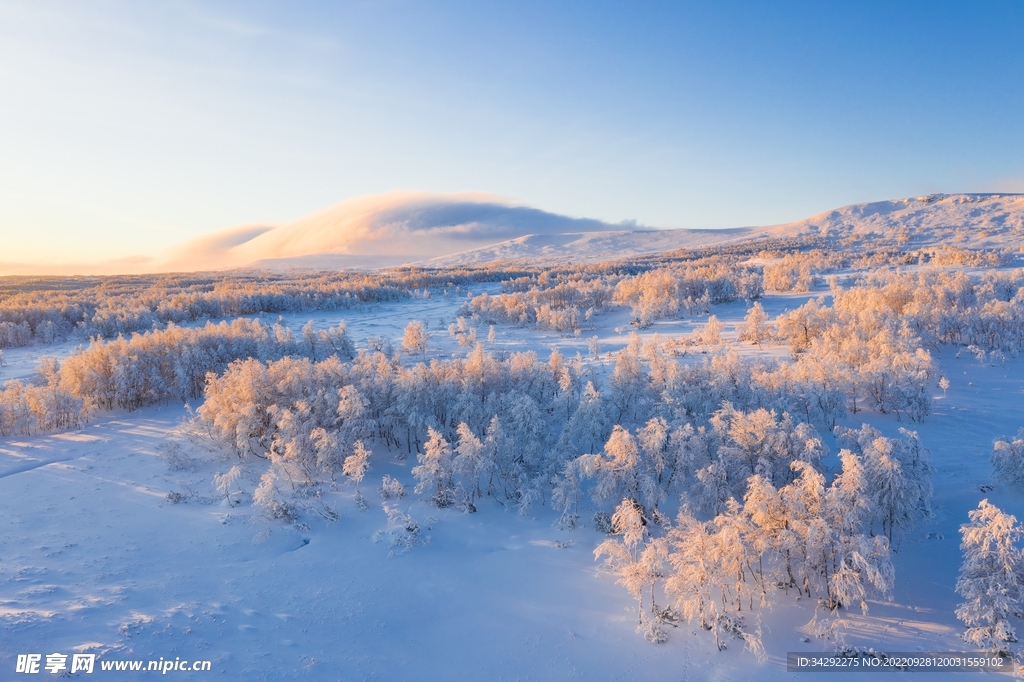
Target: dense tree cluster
667, 292
166, 364
923, 309
59, 308
31, 408
772, 521
758, 514
556, 303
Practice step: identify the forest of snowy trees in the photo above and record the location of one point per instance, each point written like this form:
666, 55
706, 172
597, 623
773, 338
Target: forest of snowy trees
706, 466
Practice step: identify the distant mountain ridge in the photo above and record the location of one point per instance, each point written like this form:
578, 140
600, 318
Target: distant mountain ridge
449, 230
445, 230
963, 220
376, 231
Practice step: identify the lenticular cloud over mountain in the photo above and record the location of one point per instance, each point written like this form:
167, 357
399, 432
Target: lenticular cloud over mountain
375, 231
441, 230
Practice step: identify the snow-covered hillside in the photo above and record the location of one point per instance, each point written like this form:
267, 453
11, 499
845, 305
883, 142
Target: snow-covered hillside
438, 230
974, 220
442, 231
967, 220
374, 231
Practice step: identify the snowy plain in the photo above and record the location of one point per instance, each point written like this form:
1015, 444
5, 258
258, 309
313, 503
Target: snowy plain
95, 558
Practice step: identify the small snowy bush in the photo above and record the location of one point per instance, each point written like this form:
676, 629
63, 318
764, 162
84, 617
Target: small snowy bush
391, 488
405, 532
602, 521
1008, 459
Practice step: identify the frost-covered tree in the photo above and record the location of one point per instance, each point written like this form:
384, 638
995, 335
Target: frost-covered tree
415, 338
658, 466
356, 465
616, 469
636, 560
755, 327
589, 427
990, 578
761, 442
353, 419
898, 477
849, 502
391, 488
269, 501
709, 490
893, 493
227, 483
692, 580
293, 450
630, 386
711, 333
473, 462
566, 495
841, 566
1008, 459
436, 472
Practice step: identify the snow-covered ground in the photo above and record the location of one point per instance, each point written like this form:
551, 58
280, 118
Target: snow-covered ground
96, 559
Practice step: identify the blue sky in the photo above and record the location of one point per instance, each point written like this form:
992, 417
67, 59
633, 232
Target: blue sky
126, 127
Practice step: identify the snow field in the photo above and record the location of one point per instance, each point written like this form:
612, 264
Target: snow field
96, 559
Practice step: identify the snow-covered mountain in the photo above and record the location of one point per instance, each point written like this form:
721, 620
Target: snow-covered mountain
975, 220
444, 230
376, 231
447, 230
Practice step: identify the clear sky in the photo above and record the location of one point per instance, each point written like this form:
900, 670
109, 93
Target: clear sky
129, 126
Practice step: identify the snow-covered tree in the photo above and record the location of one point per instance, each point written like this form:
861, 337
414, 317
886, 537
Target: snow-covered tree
898, 477
711, 333
357, 464
658, 463
1008, 459
566, 495
436, 473
415, 338
691, 582
990, 578
391, 488
826, 558
636, 560
227, 483
755, 327
270, 502
616, 470
473, 462
589, 427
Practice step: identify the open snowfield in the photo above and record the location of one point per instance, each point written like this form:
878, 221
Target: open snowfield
96, 559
